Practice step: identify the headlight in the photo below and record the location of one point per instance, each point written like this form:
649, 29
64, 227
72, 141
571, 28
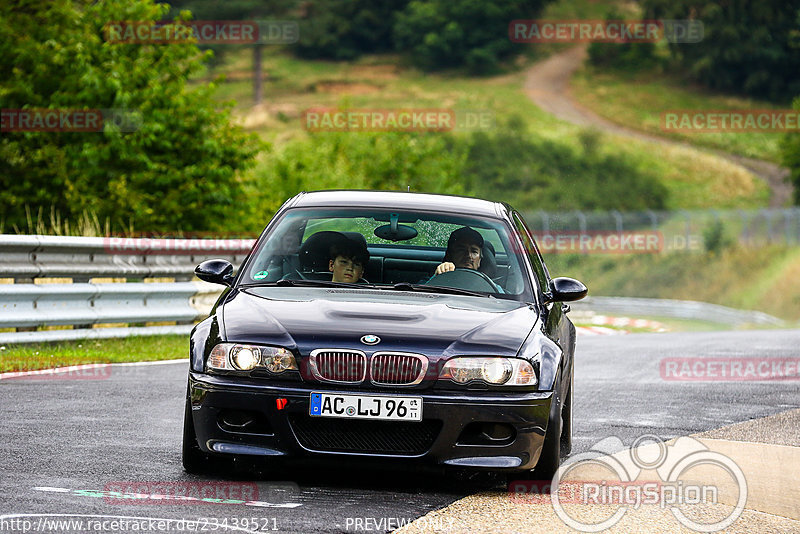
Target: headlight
279, 360
245, 358
237, 357
492, 370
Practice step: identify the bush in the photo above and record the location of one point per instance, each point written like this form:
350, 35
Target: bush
343, 160
532, 173
715, 238
508, 165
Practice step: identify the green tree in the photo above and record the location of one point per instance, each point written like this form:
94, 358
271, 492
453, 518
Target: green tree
258, 10
532, 172
630, 55
441, 34
790, 149
177, 171
748, 47
346, 29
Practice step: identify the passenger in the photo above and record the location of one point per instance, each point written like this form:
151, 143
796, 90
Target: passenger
348, 260
464, 251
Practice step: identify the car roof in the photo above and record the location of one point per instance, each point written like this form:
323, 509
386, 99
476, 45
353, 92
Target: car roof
400, 200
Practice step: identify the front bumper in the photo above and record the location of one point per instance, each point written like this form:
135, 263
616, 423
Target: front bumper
450, 433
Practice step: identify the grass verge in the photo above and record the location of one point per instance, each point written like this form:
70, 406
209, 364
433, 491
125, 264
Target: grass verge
291, 86
746, 278
29, 357
637, 100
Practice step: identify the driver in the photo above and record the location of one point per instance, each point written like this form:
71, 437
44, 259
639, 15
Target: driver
464, 251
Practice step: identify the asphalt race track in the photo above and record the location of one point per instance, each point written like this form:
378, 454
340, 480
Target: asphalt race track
66, 445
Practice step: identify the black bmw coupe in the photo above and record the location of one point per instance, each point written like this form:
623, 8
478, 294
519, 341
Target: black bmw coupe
397, 326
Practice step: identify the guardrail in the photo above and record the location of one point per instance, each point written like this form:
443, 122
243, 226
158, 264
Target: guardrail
676, 309
26, 305
24, 257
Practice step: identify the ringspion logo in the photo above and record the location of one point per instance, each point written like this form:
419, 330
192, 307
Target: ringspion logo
690, 476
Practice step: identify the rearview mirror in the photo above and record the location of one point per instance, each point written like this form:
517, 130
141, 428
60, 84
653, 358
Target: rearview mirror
563, 289
215, 271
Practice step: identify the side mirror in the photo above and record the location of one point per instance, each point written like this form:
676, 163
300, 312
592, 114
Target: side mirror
563, 289
215, 271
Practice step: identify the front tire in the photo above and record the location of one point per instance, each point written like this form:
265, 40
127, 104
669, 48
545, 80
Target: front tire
566, 418
553, 449
550, 458
195, 461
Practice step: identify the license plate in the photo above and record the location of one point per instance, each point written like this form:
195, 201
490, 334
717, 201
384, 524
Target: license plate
366, 407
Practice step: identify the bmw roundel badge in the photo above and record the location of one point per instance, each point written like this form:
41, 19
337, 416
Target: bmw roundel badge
370, 339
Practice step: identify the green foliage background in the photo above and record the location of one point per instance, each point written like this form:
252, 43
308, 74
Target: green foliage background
431, 34
442, 34
748, 47
178, 170
508, 164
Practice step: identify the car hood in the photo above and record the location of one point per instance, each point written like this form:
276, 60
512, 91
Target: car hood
433, 324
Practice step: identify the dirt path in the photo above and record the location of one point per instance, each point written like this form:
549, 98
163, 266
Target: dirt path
547, 84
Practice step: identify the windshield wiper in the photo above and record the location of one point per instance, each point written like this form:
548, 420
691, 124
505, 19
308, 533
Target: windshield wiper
308, 283
401, 286
405, 286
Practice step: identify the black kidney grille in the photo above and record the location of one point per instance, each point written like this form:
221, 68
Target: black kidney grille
376, 437
341, 366
396, 369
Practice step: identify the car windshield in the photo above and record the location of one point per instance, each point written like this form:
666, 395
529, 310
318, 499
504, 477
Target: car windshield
391, 249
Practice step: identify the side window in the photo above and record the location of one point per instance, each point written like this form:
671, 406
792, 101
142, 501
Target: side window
533, 253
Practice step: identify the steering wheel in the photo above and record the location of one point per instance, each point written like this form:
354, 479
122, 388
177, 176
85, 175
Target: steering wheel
291, 274
464, 279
